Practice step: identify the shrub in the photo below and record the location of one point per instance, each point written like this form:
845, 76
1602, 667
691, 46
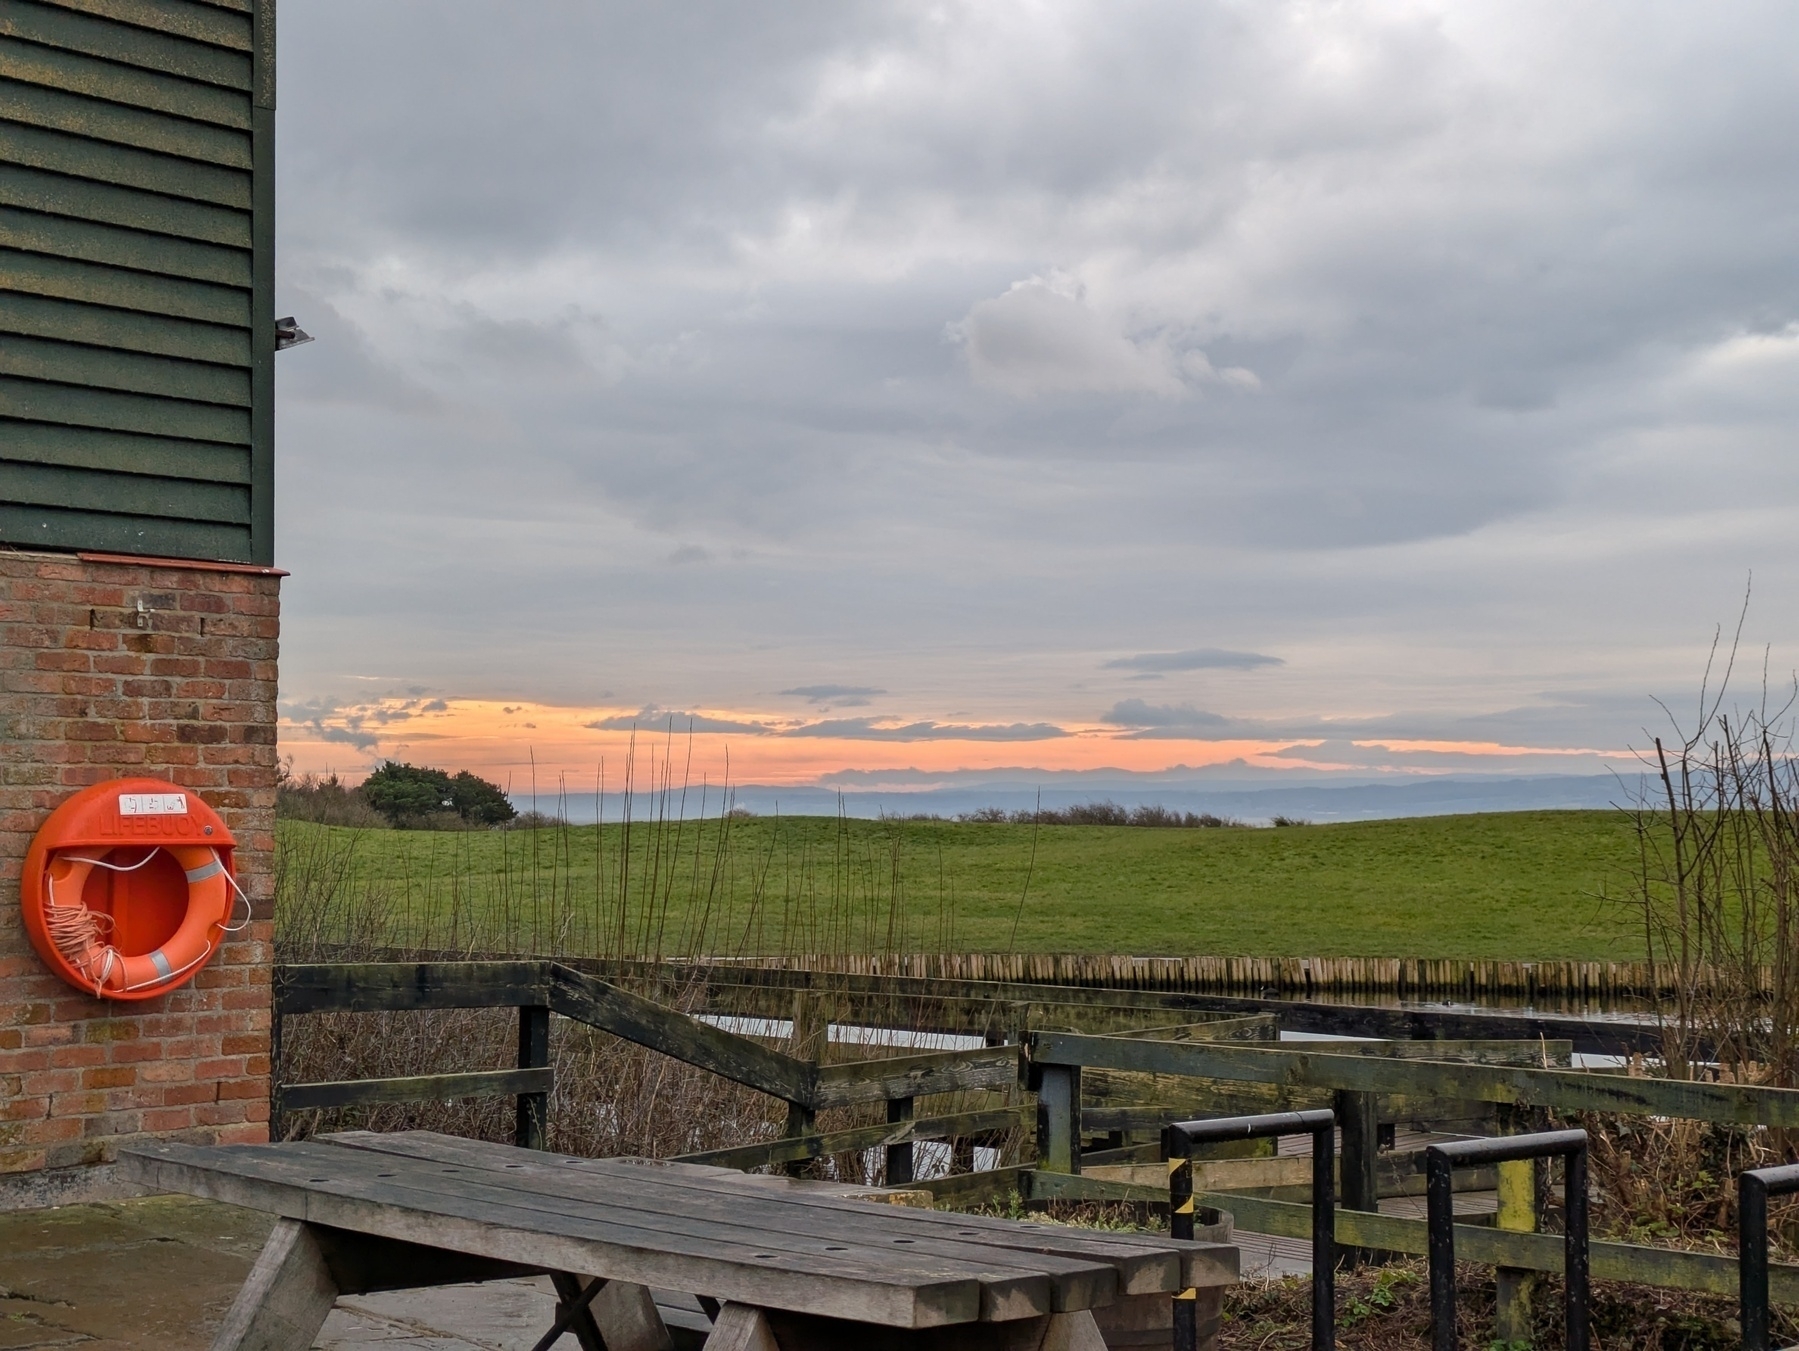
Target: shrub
1717, 891
987, 816
413, 797
535, 820
327, 801
1104, 814
479, 802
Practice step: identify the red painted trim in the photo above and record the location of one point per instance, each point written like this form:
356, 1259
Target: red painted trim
196, 564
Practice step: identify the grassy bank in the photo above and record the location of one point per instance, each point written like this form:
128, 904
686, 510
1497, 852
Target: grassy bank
1522, 885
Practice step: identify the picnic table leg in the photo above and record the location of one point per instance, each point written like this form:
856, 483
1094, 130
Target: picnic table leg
741, 1327
286, 1298
744, 1327
1072, 1332
629, 1320
619, 1316
569, 1290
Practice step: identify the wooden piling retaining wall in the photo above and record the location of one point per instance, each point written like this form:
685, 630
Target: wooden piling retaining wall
1405, 977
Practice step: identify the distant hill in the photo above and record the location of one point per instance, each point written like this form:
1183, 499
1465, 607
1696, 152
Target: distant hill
1315, 801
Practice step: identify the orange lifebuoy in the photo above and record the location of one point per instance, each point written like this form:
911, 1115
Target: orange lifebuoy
128, 890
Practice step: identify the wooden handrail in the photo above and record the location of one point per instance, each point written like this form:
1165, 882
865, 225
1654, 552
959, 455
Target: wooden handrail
1304, 1065
598, 1003
414, 1088
378, 986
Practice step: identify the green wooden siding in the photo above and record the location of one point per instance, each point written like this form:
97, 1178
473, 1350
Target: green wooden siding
136, 276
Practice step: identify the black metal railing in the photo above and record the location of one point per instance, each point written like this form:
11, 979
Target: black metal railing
1440, 1161
1178, 1141
1753, 1190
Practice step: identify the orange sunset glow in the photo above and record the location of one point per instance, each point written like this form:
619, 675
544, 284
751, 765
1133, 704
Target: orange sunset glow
521, 743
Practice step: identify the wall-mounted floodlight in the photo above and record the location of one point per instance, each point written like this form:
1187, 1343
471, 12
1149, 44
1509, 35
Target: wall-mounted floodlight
288, 333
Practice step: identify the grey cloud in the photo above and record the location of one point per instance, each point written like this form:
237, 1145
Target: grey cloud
848, 729
362, 741
652, 719
309, 710
1194, 659
1352, 757
1037, 339
1597, 720
867, 729
1555, 721
332, 721
538, 348
1182, 720
606, 278
849, 696
346, 366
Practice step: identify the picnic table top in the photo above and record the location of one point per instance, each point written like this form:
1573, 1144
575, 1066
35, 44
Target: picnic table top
774, 1242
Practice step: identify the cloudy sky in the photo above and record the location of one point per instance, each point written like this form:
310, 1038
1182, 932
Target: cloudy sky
880, 386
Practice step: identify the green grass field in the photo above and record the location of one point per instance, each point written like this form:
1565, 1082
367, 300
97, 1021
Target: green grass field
1525, 886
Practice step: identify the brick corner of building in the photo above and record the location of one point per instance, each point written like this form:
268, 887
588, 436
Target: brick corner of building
110, 670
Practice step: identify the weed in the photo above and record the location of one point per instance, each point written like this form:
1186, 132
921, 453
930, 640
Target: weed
1387, 1308
1376, 1298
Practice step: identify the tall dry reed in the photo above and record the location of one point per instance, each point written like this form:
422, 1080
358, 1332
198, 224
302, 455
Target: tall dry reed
656, 885
673, 876
1718, 894
1716, 898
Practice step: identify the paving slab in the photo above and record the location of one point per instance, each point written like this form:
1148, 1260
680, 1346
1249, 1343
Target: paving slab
496, 1316
157, 1273
153, 1272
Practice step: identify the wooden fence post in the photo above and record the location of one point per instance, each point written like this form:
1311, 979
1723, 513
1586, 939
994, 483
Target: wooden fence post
899, 1157
277, 1070
1359, 1188
531, 1130
804, 1042
1518, 1210
1059, 1119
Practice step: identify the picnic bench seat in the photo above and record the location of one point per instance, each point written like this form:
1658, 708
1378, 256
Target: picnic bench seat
777, 1263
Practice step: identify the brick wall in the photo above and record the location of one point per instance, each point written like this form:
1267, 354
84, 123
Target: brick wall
111, 669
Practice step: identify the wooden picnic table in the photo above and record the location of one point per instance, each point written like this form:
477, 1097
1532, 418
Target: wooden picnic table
779, 1264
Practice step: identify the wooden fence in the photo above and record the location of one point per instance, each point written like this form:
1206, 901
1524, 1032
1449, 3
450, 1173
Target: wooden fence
1002, 1009
539, 988
1100, 1095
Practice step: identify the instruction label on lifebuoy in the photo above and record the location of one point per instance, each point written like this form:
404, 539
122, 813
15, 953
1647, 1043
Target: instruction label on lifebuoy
152, 804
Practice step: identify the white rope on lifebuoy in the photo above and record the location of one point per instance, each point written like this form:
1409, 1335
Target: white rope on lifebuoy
76, 930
